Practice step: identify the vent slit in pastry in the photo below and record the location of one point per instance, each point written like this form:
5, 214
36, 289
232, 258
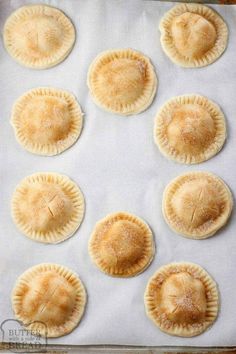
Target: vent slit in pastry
197, 204
182, 299
47, 207
50, 299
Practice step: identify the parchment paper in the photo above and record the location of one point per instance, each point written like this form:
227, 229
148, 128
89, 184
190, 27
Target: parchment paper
118, 167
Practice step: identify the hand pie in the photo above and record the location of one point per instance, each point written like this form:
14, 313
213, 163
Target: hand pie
47, 207
197, 204
122, 81
38, 36
50, 299
121, 245
47, 121
193, 35
182, 299
189, 129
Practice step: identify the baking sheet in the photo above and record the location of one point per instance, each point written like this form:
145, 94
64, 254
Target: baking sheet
118, 167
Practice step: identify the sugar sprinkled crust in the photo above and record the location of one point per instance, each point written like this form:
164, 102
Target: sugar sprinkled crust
38, 36
50, 299
122, 81
46, 120
193, 35
197, 204
182, 299
121, 245
47, 207
189, 129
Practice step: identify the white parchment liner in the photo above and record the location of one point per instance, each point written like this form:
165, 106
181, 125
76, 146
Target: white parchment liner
118, 167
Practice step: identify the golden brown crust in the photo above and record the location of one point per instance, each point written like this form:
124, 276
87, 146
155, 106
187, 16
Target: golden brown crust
50, 299
38, 36
122, 81
193, 35
182, 299
197, 204
121, 245
190, 129
47, 207
46, 121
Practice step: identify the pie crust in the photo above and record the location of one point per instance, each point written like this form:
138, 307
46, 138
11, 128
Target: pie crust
38, 36
47, 121
50, 299
189, 129
122, 81
121, 245
193, 35
197, 204
47, 207
182, 299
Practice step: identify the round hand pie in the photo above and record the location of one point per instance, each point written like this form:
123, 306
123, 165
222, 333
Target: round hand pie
121, 245
38, 36
47, 121
189, 129
197, 204
47, 207
193, 35
182, 299
122, 81
50, 299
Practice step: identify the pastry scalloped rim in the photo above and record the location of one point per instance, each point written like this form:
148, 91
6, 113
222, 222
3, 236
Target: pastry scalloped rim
61, 233
25, 12
206, 230
54, 331
159, 318
143, 102
52, 148
167, 41
134, 269
161, 139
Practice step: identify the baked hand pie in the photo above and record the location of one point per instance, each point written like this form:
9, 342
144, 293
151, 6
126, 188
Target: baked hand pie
122, 81
46, 121
50, 299
197, 204
189, 129
193, 35
121, 245
38, 36
47, 207
182, 299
